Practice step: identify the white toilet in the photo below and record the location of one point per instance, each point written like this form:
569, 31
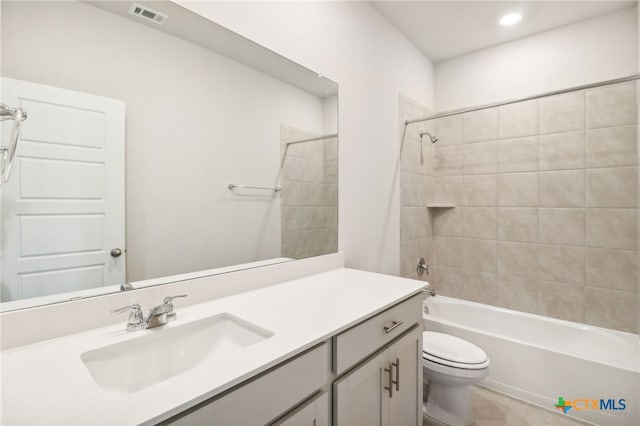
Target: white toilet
450, 366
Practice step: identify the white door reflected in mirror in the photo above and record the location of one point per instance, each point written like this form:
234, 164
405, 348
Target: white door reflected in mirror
63, 208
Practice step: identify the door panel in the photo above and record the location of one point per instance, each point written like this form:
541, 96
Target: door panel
46, 235
63, 207
60, 281
85, 129
61, 179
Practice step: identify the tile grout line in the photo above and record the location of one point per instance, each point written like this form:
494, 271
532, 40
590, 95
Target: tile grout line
461, 192
586, 203
539, 304
498, 281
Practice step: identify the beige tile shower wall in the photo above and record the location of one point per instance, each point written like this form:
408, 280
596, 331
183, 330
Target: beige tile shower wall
546, 216
309, 195
415, 181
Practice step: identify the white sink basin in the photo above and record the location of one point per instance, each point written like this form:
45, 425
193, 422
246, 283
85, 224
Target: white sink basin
161, 354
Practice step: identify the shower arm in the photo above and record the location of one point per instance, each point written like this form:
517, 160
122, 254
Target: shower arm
18, 115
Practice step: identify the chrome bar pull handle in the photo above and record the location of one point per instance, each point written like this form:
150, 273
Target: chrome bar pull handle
389, 372
393, 326
397, 366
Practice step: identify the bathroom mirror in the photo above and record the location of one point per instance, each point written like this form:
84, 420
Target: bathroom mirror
158, 146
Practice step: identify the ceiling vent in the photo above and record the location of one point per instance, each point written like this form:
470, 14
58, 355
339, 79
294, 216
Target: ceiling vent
146, 13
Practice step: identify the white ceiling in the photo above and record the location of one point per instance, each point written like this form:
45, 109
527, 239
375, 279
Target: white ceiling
446, 29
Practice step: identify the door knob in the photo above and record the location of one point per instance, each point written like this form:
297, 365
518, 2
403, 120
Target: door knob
116, 252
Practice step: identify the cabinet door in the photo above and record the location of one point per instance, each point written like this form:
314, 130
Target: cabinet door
314, 413
405, 407
359, 397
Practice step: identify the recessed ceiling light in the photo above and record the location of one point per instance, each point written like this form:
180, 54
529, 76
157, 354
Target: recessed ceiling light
510, 19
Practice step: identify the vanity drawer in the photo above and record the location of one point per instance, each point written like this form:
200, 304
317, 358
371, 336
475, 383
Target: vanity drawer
367, 337
314, 412
263, 399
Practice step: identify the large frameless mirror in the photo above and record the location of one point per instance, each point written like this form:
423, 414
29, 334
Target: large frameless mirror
157, 146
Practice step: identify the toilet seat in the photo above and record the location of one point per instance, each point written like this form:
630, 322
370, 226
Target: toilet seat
452, 351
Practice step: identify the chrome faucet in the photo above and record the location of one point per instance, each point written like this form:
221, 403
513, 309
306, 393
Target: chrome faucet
158, 315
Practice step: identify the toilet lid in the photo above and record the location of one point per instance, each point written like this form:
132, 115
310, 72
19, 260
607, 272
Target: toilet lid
451, 350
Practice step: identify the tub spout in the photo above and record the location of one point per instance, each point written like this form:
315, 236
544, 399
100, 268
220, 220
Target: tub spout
429, 292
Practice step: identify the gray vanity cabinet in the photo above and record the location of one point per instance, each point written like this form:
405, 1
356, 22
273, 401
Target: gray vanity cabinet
385, 390
371, 374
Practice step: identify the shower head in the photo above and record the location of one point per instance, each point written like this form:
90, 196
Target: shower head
433, 139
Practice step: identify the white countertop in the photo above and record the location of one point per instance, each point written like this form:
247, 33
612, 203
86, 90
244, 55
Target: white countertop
47, 383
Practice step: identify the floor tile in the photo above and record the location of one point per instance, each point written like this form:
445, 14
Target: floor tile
495, 409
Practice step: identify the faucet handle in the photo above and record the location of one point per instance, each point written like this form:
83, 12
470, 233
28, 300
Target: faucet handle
136, 319
171, 315
133, 308
169, 299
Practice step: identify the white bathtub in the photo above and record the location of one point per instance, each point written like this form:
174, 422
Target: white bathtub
539, 359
